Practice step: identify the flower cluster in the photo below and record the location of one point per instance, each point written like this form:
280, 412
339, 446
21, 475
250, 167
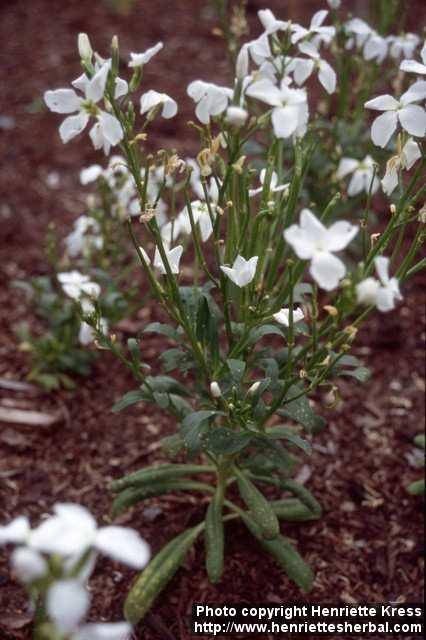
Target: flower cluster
55, 560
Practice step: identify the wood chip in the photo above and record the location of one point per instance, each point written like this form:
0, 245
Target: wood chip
33, 418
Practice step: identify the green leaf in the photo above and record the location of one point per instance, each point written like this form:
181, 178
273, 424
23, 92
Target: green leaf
129, 398
224, 441
362, 374
257, 333
167, 384
157, 574
300, 410
286, 433
237, 369
194, 428
163, 329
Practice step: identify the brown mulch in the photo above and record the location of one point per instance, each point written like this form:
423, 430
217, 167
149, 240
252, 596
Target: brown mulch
368, 545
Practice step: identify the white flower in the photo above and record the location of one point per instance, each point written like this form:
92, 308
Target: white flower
312, 241
360, 31
201, 216
283, 316
76, 285
273, 186
152, 99
259, 49
334, 4
242, 271
383, 293
375, 48
211, 99
67, 605
173, 257
107, 131
28, 564
270, 23
410, 116
412, 66
316, 30
84, 238
86, 334
72, 531
409, 155
362, 175
236, 116
403, 45
90, 174
290, 108
303, 67
139, 59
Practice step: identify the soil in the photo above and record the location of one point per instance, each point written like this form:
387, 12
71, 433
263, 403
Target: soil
368, 547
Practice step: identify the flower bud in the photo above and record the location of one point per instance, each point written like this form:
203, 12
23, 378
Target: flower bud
84, 48
254, 387
334, 4
236, 116
215, 390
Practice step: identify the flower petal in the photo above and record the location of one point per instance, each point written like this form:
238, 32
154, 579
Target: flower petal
265, 91
111, 128
67, 603
382, 103
62, 101
413, 119
73, 126
410, 153
28, 564
382, 267
383, 128
16, 532
327, 76
327, 270
346, 165
123, 544
339, 235
285, 120
95, 88
412, 66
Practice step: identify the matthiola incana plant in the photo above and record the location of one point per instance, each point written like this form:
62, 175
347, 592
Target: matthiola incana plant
264, 254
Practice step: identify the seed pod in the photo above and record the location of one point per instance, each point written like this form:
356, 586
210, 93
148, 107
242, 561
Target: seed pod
157, 574
260, 508
304, 495
131, 496
214, 540
285, 555
162, 472
292, 510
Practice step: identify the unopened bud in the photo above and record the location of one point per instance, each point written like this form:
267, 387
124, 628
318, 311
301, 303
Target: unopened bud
422, 214
254, 387
238, 166
215, 390
84, 48
373, 238
392, 209
303, 374
332, 311
236, 116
